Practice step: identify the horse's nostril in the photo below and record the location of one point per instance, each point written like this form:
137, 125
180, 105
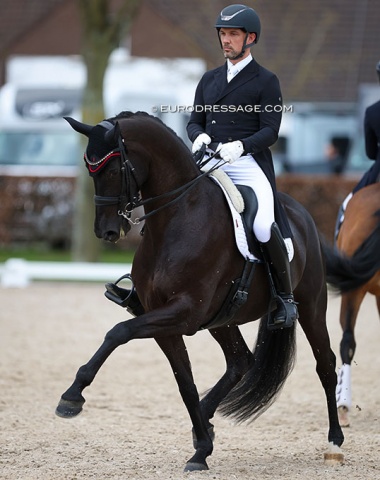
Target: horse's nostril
111, 236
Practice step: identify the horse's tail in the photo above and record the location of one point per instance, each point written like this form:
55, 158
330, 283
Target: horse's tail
348, 273
273, 361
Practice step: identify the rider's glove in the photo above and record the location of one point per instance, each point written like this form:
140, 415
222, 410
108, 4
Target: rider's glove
230, 152
199, 141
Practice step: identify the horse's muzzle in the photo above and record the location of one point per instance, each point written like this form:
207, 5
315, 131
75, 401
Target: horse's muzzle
111, 236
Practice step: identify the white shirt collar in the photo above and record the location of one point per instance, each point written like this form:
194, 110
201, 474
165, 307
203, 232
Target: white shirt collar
239, 65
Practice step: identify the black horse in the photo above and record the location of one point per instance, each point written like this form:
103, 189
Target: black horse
183, 271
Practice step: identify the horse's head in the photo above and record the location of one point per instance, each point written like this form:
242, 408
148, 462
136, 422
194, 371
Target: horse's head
116, 189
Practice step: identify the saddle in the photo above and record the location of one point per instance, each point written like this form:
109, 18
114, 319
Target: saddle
248, 215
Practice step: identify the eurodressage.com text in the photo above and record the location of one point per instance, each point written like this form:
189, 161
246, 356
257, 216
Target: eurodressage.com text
223, 108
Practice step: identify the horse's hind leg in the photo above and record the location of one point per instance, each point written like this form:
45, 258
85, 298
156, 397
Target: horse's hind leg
238, 358
313, 322
349, 309
175, 350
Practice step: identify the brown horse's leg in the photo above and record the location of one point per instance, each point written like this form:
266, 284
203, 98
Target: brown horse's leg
349, 309
313, 322
175, 350
238, 358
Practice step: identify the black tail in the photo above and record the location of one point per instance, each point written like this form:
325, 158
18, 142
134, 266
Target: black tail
273, 360
348, 273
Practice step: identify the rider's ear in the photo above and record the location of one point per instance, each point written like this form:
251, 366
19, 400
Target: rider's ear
111, 136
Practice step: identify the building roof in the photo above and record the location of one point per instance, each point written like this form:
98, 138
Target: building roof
321, 51
19, 16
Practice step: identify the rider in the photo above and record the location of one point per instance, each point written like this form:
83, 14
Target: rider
372, 148
237, 112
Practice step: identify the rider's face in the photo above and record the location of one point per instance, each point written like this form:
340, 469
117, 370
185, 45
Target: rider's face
232, 40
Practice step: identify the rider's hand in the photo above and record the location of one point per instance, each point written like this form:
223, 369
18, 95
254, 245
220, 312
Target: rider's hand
230, 152
199, 141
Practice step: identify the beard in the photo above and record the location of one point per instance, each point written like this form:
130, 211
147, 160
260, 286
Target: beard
231, 54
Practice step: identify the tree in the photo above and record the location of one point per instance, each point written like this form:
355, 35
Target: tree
105, 24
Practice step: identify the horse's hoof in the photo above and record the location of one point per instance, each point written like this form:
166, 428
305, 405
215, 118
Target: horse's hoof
68, 408
334, 455
332, 459
195, 467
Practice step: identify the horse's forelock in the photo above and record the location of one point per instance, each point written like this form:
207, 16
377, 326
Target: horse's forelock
97, 146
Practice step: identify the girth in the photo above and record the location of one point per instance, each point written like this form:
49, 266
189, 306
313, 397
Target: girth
236, 298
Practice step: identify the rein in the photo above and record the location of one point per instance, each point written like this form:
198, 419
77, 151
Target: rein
182, 190
129, 202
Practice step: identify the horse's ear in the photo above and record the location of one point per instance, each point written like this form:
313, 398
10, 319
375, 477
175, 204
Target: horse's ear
112, 135
79, 127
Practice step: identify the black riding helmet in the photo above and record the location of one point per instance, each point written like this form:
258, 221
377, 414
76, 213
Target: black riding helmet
239, 16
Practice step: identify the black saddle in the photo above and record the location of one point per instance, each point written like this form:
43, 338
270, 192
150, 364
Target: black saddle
250, 210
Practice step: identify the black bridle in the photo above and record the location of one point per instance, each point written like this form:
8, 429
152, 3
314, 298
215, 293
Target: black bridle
129, 198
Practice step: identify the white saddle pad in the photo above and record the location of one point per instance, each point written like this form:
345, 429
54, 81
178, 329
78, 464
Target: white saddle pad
236, 203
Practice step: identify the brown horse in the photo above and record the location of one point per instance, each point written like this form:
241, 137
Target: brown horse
354, 277
184, 269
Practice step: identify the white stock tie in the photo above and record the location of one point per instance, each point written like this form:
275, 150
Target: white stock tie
232, 72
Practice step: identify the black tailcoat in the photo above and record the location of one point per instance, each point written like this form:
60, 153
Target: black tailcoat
372, 145
248, 108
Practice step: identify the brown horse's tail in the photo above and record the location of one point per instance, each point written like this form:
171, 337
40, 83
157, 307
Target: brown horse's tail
273, 361
348, 273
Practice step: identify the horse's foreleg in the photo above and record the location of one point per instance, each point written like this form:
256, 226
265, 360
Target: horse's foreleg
175, 350
166, 325
238, 358
72, 401
161, 322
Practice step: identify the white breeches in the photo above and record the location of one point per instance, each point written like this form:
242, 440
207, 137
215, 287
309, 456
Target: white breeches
246, 171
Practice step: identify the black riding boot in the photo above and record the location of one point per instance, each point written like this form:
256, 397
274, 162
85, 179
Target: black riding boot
124, 297
284, 312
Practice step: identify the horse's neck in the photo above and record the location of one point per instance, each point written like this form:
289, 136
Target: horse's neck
169, 170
